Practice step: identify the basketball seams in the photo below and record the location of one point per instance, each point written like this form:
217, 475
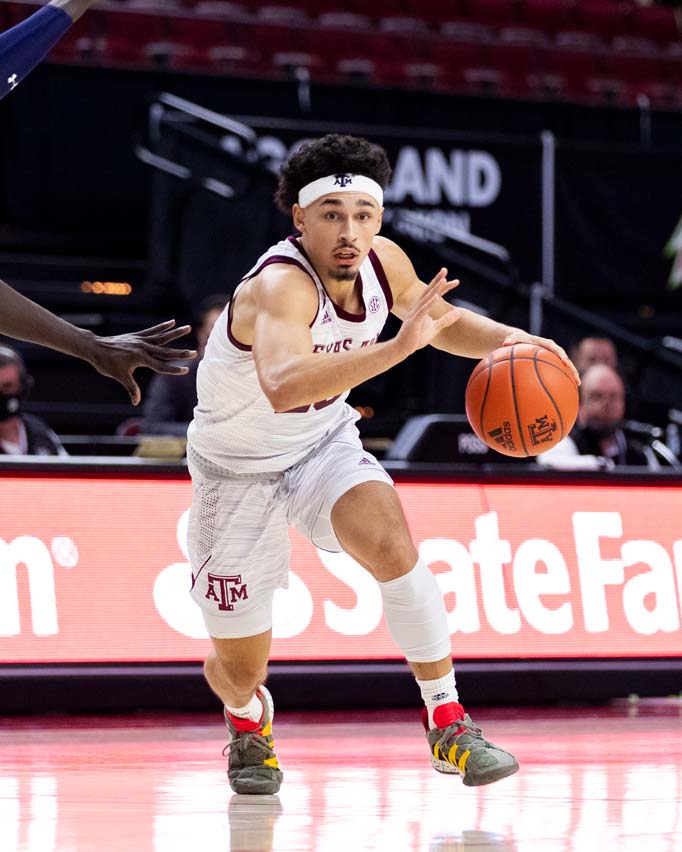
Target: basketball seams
525, 383
489, 372
516, 405
546, 390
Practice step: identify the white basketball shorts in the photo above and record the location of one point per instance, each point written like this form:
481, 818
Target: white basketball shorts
238, 530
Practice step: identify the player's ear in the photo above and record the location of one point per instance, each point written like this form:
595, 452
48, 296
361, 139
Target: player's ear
298, 214
379, 221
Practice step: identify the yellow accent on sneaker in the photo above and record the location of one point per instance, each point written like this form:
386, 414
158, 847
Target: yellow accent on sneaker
272, 761
452, 754
462, 762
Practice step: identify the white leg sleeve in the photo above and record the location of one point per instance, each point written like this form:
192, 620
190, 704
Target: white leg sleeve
415, 614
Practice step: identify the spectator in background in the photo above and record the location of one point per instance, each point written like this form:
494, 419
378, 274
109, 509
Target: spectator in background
598, 440
594, 350
170, 400
21, 434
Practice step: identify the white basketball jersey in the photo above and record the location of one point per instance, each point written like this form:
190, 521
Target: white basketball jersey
234, 426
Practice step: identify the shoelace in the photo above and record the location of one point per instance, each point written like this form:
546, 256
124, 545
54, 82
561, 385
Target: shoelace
455, 730
244, 740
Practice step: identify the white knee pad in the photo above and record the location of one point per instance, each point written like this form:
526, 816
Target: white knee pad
415, 614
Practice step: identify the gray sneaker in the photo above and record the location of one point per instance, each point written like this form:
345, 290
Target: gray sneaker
253, 767
458, 748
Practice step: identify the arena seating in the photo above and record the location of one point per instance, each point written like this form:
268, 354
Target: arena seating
591, 50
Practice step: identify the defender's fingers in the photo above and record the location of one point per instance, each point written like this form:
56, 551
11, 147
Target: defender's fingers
155, 329
166, 369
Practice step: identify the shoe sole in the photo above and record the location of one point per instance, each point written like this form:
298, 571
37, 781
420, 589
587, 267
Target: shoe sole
495, 774
256, 786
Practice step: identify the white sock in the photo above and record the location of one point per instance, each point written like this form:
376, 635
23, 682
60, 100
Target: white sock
253, 711
437, 692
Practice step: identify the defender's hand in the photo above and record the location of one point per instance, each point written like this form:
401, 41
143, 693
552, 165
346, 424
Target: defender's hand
119, 356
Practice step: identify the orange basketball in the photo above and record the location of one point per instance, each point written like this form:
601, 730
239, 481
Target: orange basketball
521, 400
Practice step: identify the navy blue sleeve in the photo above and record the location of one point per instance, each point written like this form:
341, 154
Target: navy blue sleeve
26, 45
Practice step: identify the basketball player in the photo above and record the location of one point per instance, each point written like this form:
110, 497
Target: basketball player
273, 443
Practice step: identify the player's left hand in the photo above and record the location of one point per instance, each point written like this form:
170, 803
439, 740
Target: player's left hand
520, 336
119, 356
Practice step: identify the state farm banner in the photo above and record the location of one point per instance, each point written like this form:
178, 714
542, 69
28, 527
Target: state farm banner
95, 569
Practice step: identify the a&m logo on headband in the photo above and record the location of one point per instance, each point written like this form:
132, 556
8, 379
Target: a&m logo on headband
343, 180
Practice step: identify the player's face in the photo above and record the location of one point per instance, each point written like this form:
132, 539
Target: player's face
338, 231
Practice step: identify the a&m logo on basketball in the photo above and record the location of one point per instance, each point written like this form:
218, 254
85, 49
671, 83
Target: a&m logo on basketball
342, 180
503, 436
542, 430
226, 591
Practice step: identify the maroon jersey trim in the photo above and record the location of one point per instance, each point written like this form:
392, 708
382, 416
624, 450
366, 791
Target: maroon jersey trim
381, 276
340, 312
276, 258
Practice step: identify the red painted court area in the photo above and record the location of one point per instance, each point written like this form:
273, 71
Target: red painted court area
591, 779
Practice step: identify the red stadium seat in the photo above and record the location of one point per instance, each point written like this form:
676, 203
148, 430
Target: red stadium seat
432, 11
660, 94
199, 32
579, 40
574, 66
422, 75
165, 54
137, 26
524, 37
402, 25
548, 15
222, 9
344, 21
234, 59
296, 63
660, 23
289, 16
466, 31
356, 69
608, 19
485, 81
498, 13
607, 90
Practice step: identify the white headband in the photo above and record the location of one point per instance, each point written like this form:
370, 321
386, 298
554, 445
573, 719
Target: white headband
340, 183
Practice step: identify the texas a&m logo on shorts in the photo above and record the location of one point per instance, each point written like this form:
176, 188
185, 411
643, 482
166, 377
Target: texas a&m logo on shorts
226, 591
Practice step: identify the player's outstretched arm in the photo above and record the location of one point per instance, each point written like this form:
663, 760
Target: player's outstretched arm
24, 46
73, 8
473, 335
116, 357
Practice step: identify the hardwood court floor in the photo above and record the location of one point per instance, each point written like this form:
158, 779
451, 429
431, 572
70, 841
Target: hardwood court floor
591, 779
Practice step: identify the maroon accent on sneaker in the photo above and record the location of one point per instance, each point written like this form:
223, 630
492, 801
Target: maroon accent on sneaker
448, 714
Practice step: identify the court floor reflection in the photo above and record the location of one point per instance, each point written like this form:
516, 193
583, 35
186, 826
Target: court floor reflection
592, 780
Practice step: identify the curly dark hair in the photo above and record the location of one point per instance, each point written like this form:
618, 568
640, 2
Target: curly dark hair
332, 154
